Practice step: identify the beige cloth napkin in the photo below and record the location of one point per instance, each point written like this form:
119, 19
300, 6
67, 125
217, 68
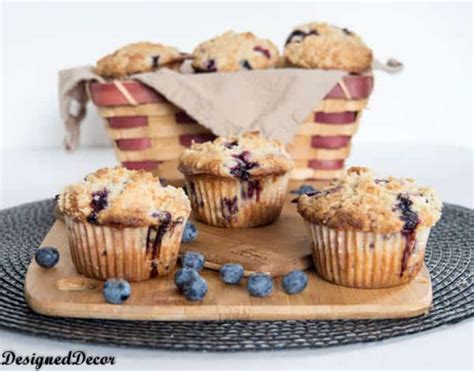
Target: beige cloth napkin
273, 101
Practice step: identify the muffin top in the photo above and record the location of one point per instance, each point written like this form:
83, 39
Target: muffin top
363, 202
120, 197
234, 52
245, 156
136, 58
320, 45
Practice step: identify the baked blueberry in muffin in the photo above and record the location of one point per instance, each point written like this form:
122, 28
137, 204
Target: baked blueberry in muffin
367, 231
320, 45
235, 52
123, 224
236, 181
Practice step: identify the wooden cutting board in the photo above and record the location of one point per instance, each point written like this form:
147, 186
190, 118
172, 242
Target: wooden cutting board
277, 249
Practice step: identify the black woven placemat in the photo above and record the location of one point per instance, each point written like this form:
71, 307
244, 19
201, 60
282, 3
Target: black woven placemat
448, 256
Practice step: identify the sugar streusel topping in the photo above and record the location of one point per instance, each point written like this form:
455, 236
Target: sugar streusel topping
363, 202
136, 58
117, 196
320, 45
233, 51
244, 156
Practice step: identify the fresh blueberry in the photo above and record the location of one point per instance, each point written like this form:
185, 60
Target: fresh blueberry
304, 189
116, 291
294, 282
260, 284
195, 289
232, 273
183, 276
190, 233
47, 257
193, 260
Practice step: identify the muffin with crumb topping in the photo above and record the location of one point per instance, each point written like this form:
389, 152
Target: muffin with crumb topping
369, 232
123, 224
236, 181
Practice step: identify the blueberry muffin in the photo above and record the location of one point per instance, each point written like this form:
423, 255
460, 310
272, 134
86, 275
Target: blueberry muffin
137, 58
235, 52
123, 224
236, 181
319, 45
369, 232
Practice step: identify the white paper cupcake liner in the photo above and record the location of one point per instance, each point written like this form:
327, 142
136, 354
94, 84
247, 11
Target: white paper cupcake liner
231, 203
134, 254
365, 259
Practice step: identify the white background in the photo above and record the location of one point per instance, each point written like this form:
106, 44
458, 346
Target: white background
429, 102
419, 124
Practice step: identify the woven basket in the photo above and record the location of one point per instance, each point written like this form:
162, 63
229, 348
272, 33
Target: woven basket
149, 132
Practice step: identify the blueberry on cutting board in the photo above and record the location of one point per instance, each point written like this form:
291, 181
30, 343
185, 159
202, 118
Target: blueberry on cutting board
294, 282
231, 273
193, 260
47, 257
260, 284
116, 291
195, 289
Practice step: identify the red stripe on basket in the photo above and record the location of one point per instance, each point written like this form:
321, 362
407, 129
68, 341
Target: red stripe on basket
337, 141
186, 139
124, 122
326, 164
183, 118
107, 94
347, 117
134, 144
359, 87
141, 165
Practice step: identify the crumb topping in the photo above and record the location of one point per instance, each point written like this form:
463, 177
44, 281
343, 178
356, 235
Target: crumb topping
246, 156
117, 196
233, 51
364, 202
320, 45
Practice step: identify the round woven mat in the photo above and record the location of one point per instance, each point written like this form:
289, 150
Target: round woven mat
448, 256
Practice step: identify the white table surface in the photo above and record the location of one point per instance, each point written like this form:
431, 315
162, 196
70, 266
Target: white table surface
37, 174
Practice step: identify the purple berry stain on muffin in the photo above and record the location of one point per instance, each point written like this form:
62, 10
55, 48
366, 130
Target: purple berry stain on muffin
230, 145
263, 50
98, 203
298, 36
211, 66
411, 220
229, 207
246, 65
154, 242
347, 32
155, 61
244, 165
193, 195
251, 188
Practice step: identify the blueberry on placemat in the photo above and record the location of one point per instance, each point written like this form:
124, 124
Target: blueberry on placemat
183, 276
190, 233
305, 188
116, 291
193, 260
195, 289
231, 273
47, 257
260, 284
294, 282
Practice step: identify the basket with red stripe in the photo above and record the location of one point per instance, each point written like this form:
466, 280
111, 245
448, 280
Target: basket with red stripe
149, 132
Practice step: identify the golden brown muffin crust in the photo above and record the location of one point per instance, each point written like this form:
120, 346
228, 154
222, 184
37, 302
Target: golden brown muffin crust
320, 45
363, 202
234, 52
136, 58
117, 196
249, 154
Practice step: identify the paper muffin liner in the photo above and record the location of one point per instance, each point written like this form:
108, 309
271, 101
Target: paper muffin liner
231, 203
134, 254
365, 259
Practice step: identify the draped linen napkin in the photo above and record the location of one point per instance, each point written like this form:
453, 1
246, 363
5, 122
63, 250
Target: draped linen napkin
273, 101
